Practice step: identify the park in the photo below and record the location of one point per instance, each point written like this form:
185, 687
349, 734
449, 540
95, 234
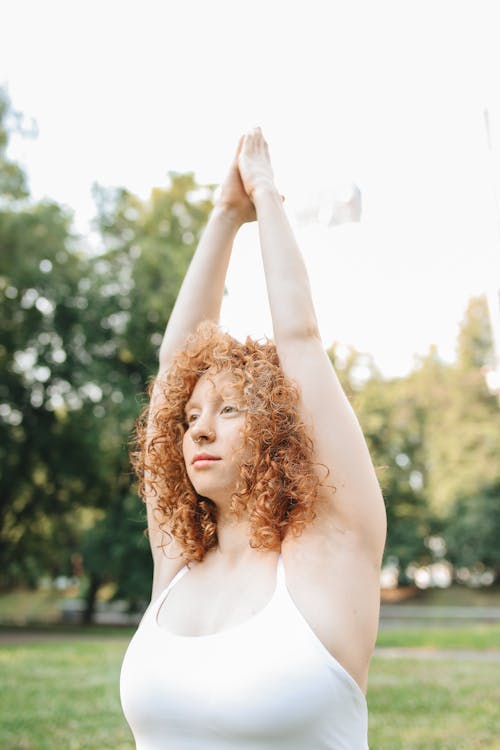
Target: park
81, 323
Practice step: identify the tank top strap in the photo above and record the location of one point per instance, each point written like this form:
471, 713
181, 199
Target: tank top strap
280, 577
176, 578
161, 596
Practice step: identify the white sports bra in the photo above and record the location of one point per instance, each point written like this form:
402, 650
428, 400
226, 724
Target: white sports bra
265, 684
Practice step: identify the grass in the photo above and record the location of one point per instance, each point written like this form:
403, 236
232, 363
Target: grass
441, 705
481, 637
64, 695
457, 596
477, 636
66, 630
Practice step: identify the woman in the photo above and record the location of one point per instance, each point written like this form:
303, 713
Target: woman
265, 516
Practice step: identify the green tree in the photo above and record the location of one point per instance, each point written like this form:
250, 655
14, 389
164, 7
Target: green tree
463, 419
473, 530
13, 183
393, 423
148, 247
435, 439
467, 466
42, 450
80, 337
475, 340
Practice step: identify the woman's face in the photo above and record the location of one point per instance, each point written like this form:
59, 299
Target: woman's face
213, 443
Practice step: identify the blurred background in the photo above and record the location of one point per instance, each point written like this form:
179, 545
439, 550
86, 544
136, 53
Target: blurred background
116, 125
117, 122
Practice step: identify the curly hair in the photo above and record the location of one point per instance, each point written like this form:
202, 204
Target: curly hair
278, 484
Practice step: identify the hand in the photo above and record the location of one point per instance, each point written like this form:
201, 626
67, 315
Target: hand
233, 196
254, 162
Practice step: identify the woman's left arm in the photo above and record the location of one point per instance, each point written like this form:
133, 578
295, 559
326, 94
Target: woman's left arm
356, 503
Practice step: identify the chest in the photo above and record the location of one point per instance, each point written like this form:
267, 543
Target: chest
198, 605
204, 605
251, 683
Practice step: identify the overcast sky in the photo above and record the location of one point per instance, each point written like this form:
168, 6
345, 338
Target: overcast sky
389, 95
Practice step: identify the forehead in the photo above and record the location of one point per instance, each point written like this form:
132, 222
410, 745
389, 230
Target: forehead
212, 385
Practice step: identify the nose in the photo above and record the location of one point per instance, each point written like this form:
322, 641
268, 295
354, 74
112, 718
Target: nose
202, 430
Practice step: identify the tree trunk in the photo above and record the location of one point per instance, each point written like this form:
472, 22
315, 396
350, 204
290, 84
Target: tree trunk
88, 614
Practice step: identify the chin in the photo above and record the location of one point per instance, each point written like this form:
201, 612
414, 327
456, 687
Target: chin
209, 492
204, 490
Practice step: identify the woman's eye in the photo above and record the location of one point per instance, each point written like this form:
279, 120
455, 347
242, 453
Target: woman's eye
227, 409
191, 418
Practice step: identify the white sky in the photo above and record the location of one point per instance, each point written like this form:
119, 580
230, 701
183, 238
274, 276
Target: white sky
387, 94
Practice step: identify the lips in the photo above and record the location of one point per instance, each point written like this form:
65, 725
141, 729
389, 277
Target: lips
204, 457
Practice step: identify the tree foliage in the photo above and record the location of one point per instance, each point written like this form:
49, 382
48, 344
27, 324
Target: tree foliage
473, 530
434, 436
80, 335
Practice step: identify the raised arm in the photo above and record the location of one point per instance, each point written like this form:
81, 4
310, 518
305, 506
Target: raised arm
199, 298
356, 505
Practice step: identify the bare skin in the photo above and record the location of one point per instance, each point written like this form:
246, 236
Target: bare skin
233, 195
333, 568
254, 163
198, 299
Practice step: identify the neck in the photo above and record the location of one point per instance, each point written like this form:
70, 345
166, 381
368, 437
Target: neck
233, 536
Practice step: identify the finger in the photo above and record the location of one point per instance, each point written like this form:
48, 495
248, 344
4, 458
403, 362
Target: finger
240, 146
249, 141
259, 138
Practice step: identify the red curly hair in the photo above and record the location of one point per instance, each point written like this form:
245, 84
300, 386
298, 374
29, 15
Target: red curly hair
278, 484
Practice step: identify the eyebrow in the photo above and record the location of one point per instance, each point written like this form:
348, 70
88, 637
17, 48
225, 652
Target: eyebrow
192, 402
218, 398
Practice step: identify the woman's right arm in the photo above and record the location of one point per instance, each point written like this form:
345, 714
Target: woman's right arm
199, 298
200, 295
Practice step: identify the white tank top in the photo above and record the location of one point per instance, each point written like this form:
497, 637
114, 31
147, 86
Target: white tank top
266, 684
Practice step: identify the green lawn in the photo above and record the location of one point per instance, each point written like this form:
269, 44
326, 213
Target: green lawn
64, 696
434, 705
457, 595
475, 636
